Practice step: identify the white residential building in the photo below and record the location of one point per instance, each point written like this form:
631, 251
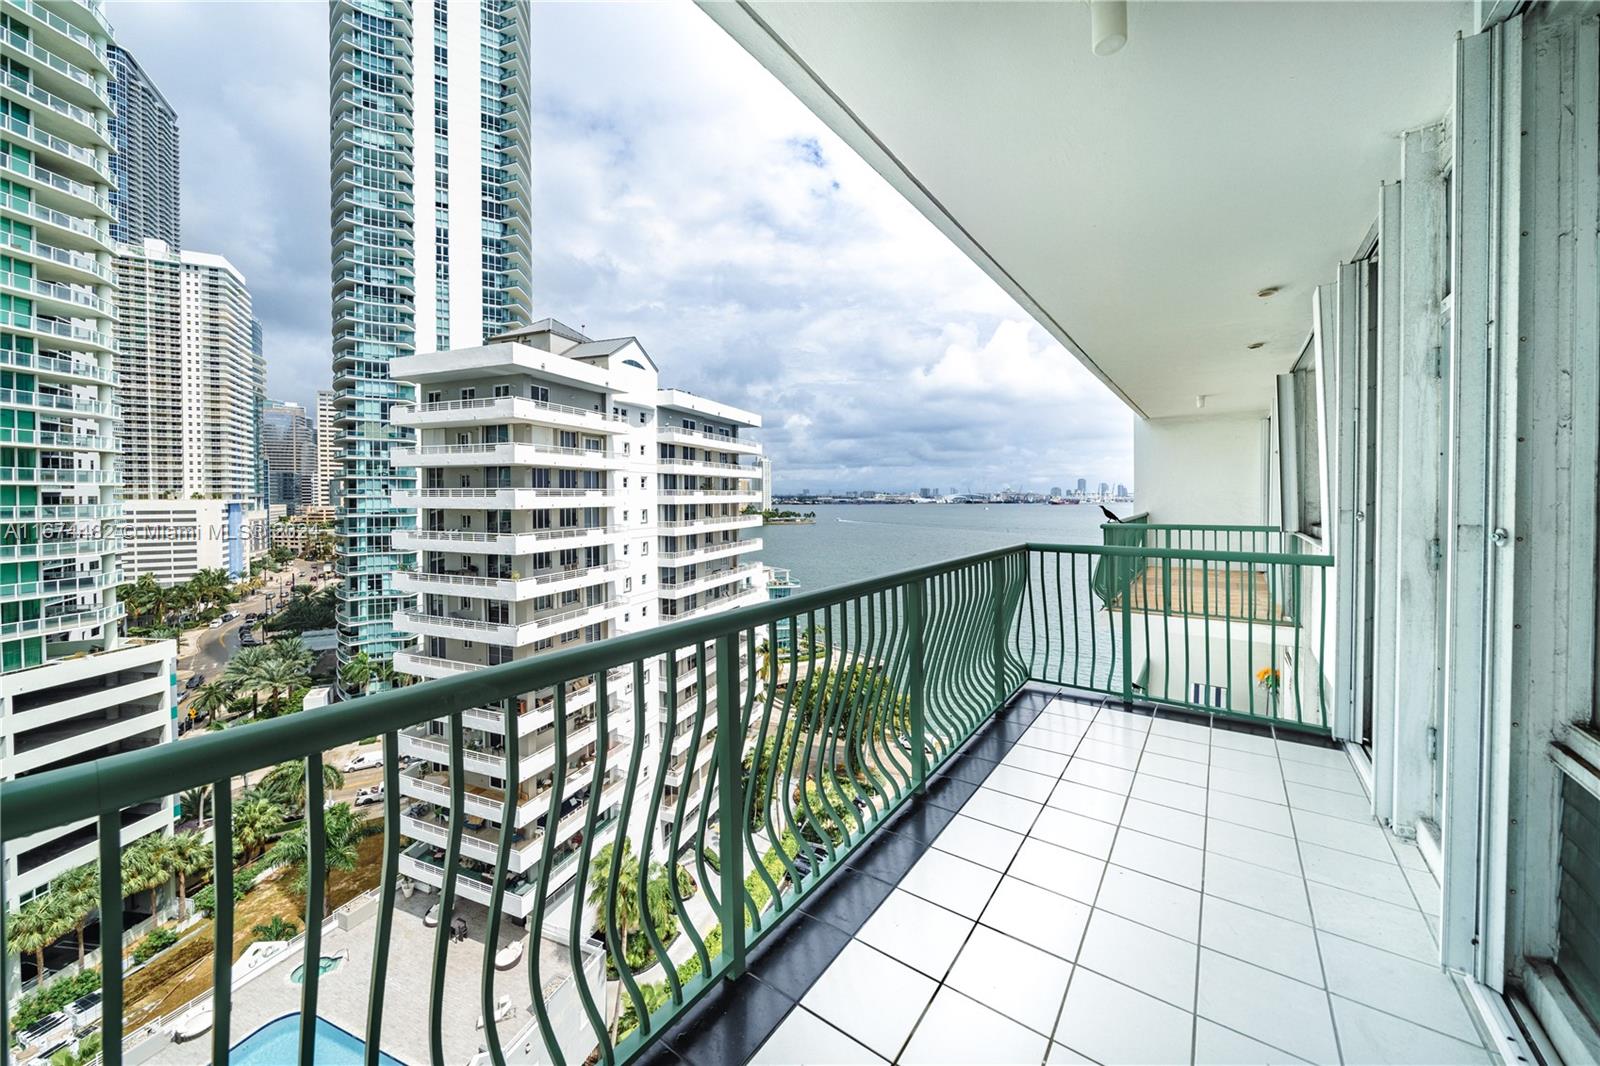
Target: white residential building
172, 540
323, 492
704, 561
188, 376
537, 471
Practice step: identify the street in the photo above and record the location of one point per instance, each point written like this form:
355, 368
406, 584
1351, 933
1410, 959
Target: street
206, 651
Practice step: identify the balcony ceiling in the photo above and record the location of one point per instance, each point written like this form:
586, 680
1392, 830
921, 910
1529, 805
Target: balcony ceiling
1134, 204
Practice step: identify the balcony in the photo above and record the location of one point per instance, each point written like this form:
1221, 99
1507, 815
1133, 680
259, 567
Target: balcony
505, 454
509, 589
506, 634
500, 499
517, 409
699, 438
523, 543
1044, 858
706, 552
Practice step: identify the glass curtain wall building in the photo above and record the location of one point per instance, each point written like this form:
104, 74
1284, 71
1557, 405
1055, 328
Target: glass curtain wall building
410, 273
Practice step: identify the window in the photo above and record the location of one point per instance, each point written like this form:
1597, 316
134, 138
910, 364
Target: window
1300, 447
469, 394
540, 393
434, 396
502, 390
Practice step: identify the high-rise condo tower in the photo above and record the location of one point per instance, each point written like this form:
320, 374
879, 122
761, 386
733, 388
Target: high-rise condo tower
430, 248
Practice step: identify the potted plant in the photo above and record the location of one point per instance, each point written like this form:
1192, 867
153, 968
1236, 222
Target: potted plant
1269, 681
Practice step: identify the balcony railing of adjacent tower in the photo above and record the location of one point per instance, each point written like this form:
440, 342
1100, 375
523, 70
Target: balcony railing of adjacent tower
850, 702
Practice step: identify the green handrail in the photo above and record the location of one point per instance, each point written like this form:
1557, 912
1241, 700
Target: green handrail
783, 767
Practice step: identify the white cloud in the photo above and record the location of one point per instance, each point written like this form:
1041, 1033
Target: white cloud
682, 195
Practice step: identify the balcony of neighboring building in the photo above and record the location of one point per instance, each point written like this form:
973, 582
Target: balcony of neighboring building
511, 625
507, 578
709, 550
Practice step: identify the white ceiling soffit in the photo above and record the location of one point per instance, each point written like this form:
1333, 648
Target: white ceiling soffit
1134, 204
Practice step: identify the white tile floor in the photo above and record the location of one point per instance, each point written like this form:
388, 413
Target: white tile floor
1168, 894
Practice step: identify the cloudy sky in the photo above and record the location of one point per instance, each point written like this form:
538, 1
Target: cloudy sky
680, 194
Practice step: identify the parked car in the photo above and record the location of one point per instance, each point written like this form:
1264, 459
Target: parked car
216, 623
228, 616
366, 796
194, 682
364, 761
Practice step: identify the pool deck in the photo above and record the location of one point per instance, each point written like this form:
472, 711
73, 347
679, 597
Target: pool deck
342, 993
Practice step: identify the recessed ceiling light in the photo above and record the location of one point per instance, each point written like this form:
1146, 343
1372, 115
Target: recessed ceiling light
1255, 344
1270, 290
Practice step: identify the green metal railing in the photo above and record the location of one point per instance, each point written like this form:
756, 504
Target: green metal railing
797, 750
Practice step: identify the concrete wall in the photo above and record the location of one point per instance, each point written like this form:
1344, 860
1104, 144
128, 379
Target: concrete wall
1200, 470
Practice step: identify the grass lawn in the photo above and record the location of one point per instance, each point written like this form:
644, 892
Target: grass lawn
183, 971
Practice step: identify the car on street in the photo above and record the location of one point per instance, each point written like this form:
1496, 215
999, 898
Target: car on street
228, 616
366, 796
216, 623
364, 761
194, 682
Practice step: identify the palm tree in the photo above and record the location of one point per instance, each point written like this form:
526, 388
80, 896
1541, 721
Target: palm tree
80, 895
280, 677
276, 929
342, 831
190, 855
292, 650
255, 823
624, 909
285, 784
356, 674
769, 661
35, 927
193, 802
213, 696
244, 673
146, 866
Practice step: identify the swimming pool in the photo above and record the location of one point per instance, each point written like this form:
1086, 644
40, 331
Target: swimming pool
278, 1042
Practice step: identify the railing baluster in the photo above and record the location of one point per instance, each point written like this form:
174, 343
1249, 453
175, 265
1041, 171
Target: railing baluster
316, 904
917, 625
502, 869
575, 932
730, 857
647, 923
111, 1013
221, 920
753, 786
702, 712
997, 579
390, 876
552, 817
608, 912
447, 893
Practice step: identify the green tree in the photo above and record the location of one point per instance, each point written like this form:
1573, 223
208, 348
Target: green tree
193, 802
342, 832
244, 674
276, 929
40, 923
79, 889
356, 673
256, 822
146, 866
280, 676
190, 854
285, 784
213, 696
625, 908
